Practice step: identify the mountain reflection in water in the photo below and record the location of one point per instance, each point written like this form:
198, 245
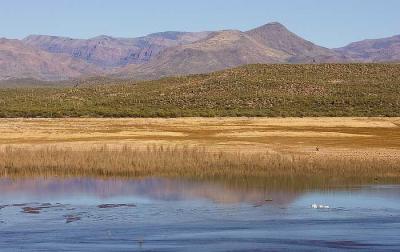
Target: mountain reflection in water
152, 188
155, 214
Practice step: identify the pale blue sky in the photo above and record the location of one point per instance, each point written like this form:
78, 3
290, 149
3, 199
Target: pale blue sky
331, 23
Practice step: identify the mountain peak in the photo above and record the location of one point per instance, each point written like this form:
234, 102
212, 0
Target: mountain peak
175, 53
275, 35
274, 24
173, 35
271, 26
102, 37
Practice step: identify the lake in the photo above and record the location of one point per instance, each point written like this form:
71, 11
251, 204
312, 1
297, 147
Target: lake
157, 214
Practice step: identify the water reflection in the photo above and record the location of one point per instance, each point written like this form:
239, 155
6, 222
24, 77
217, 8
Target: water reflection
180, 215
80, 190
89, 190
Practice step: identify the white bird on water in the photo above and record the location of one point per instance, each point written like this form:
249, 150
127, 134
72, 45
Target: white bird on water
316, 206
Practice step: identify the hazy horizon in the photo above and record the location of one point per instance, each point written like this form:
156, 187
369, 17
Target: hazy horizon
325, 23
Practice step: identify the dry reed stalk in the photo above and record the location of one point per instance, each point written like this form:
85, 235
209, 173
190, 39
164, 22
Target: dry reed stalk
184, 161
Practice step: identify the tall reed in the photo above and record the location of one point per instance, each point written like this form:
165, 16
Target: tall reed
184, 161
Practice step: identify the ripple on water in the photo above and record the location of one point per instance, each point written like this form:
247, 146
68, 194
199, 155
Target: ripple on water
105, 206
178, 215
71, 218
37, 208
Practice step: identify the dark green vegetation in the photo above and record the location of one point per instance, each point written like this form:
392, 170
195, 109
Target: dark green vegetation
253, 90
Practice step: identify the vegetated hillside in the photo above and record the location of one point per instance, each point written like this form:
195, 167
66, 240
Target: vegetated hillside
32, 83
253, 90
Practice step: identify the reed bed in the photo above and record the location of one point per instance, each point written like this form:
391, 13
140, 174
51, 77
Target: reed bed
185, 162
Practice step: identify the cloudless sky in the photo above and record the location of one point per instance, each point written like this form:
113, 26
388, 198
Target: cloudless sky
330, 23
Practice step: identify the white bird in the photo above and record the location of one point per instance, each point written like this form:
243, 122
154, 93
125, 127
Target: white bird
315, 206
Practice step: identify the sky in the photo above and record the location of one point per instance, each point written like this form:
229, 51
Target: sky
330, 23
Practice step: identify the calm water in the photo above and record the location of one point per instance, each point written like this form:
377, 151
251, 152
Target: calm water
178, 215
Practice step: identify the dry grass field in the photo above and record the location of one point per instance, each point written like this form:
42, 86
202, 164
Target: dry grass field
202, 146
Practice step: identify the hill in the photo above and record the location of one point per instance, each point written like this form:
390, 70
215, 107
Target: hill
278, 37
220, 50
253, 90
374, 50
106, 51
270, 43
175, 53
18, 60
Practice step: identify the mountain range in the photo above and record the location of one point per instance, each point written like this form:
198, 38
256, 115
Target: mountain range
175, 53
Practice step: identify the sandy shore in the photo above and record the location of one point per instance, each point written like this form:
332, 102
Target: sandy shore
355, 137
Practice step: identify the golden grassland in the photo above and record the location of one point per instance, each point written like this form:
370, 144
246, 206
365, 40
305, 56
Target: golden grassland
364, 148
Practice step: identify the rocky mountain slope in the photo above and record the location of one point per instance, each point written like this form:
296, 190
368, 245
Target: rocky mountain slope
17, 60
374, 50
220, 50
106, 51
175, 53
271, 43
278, 37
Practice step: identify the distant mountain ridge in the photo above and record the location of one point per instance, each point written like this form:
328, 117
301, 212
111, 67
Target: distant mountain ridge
175, 53
106, 51
18, 60
373, 50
